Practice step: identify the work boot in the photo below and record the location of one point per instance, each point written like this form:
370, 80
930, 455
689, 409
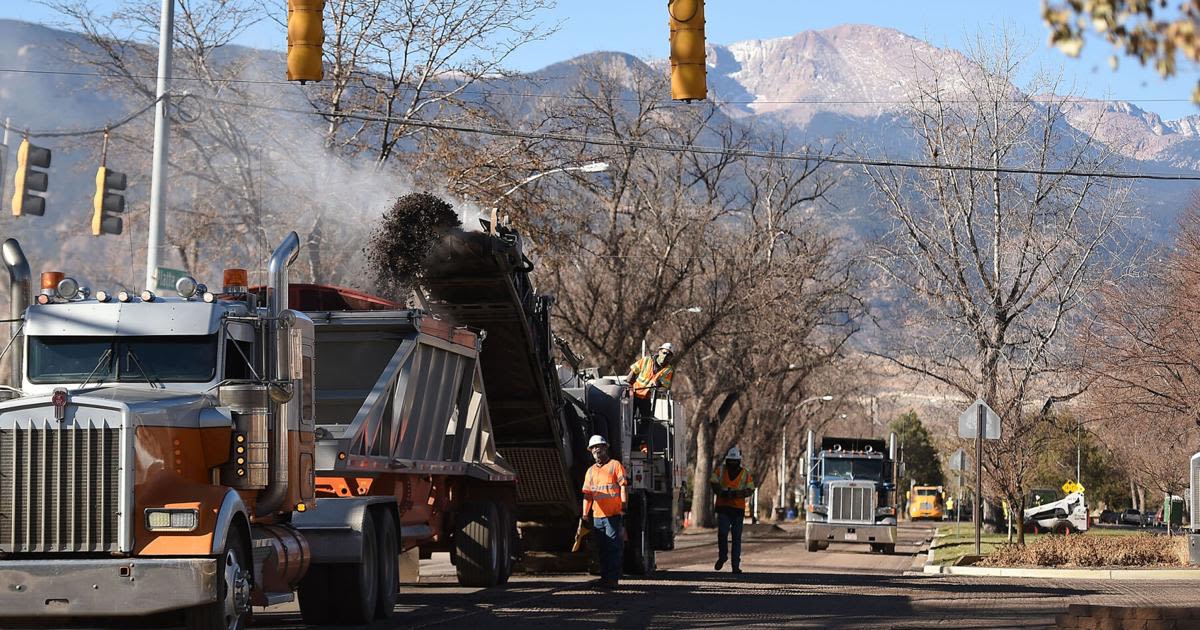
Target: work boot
737, 570
720, 563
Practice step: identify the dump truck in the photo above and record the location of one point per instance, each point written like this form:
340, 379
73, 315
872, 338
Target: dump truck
213, 451
851, 493
926, 502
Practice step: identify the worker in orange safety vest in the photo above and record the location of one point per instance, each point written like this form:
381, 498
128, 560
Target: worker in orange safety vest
604, 502
731, 484
646, 374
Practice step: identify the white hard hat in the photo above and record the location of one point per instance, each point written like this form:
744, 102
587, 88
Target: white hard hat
597, 439
734, 453
668, 347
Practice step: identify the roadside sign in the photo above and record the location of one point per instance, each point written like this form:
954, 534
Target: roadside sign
958, 461
165, 278
968, 422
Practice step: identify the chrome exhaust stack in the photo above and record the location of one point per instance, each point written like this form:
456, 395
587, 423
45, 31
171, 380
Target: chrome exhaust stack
281, 384
20, 292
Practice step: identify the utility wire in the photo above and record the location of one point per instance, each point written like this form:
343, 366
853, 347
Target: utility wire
803, 156
97, 130
624, 99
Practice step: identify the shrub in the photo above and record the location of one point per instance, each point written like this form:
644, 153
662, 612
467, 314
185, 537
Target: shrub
1081, 550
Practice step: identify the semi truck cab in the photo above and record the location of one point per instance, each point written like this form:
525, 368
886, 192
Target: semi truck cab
851, 493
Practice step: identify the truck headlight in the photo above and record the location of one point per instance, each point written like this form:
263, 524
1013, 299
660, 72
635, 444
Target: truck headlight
172, 519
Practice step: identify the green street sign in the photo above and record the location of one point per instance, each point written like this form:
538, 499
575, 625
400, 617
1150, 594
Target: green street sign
165, 278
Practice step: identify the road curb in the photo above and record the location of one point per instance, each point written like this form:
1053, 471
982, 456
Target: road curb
1068, 574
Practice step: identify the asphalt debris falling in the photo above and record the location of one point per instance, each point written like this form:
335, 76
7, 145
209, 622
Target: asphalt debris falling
399, 246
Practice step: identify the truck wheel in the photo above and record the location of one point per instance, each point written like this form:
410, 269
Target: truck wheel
810, 544
317, 605
888, 549
639, 554
509, 543
231, 611
389, 568
477, 547
356, 586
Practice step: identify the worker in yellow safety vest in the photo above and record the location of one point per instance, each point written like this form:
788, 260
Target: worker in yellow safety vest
731, 483
605, 498
646, 374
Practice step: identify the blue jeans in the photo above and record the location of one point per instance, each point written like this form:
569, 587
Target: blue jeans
608, 544
729, 521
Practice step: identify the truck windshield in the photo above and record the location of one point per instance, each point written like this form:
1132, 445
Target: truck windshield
181, 359
927, 492
847, 468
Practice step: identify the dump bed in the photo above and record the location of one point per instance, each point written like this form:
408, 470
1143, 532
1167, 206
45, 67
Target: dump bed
397, 390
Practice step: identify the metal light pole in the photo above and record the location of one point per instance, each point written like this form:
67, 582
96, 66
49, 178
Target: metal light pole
593, 167
783, 461
158, 173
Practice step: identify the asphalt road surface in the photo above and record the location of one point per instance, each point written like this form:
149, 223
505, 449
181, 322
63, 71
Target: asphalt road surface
845, 586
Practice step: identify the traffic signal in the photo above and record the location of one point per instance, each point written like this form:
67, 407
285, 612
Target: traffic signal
688, 70
31, 179
108, 203
305, 37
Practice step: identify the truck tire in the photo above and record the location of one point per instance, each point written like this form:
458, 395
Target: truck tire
231, 611
389, 567
344, 594
639, 553
317, 604
356, 586
811, 545
509, 543
477, 546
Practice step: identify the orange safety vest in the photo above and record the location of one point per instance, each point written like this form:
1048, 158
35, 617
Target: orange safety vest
602, 485
742, 482
647, 376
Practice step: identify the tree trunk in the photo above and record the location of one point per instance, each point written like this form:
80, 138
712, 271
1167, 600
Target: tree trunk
1019, 517
702, 502
1132, 494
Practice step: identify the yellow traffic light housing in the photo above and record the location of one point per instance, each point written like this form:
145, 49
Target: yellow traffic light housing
108, 202
306, 35
31, 178
688, 69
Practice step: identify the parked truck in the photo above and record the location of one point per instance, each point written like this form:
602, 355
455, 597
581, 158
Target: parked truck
851, 493
926, 502
181, 453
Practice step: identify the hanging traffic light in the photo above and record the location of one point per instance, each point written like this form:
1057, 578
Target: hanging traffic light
305, 37
30, 180
688, 70
109, 202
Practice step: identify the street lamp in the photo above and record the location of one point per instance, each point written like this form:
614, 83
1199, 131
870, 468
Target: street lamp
687, 309
592, 167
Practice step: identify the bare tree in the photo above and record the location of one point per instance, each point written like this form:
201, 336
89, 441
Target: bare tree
992, 266
1143, 350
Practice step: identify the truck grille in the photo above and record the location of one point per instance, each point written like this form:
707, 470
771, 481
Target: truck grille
854, 504
59, 489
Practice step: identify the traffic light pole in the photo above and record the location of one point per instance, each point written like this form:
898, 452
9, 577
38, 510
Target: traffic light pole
158, 175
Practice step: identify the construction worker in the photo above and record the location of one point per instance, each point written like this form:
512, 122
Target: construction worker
646, 374
605, 499
731, 484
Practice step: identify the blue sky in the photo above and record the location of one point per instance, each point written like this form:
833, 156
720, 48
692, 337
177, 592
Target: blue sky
639, 27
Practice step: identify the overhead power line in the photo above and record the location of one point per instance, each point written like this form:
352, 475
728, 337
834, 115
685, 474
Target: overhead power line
803, 156
92, 131
576, 97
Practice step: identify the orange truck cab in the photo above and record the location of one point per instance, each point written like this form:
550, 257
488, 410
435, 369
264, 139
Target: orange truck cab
926, 502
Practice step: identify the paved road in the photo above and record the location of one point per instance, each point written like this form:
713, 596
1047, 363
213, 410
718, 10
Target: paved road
784, 586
